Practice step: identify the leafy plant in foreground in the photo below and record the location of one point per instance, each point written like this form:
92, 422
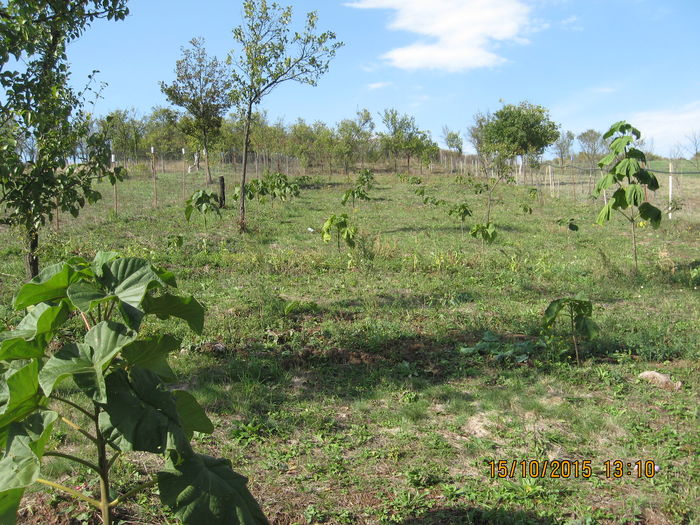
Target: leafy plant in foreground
579, 311
204, 202
570, 223
125, 386
632, 180
342, 227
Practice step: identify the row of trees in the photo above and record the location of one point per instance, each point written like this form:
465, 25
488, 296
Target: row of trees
350, 142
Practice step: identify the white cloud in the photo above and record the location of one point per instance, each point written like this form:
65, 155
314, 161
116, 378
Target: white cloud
668, 127
604, 89
378, 85
459, 34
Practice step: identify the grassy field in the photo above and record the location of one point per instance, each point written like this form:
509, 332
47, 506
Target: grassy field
375, 385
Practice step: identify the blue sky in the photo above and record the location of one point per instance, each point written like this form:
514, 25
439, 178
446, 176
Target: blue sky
590, 62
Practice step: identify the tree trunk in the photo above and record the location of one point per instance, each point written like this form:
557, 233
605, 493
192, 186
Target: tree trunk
31, 259
246, 141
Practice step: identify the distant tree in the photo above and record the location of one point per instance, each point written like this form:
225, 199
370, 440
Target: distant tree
268, 57
161, 130
125, 129
592, 146
353, 139
202, 87
454, 142
301, 138
324, 144
400, 136
563, 146
42, 118
692, 148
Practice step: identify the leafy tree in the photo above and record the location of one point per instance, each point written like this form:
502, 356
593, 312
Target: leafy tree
563, 146
126, 130
454, 142
627, 173
269, 57
400, 137
301, 138
579, 311
353, 139
592, 146
162, 131
39, 109
202, 87
513, 131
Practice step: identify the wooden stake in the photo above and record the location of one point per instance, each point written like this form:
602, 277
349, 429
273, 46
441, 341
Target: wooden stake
670, 188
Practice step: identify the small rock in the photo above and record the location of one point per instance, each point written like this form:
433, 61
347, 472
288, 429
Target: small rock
660, 380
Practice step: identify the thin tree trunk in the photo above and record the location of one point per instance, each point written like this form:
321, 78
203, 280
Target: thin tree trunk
246, 141
31, 259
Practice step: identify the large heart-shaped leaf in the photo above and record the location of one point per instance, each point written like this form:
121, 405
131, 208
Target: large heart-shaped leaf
85, 295
33, 332
141, 413
202, 490
151, 353
168, 305
86, 362
191, 414
49, 285
20, 464
19, 394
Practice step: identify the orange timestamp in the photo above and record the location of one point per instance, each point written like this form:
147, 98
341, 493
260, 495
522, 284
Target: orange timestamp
565, 468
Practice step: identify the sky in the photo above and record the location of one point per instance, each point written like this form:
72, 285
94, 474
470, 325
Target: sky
590, 62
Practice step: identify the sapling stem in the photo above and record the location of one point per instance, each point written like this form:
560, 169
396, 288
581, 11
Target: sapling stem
70, 491
573, 334
87, 324
104, 465
83, 462
132, 492
77, 427
70, 403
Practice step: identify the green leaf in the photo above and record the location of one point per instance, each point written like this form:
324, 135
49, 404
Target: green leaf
49, 285
86, 296
186, 308
151, 353
586, 325
19, 393
188, 211
604, 183
608, 159
191, 414
33, 333
9, 505
620, 143
634, 194
86, 362
650, 213
141, 413
619, 199
202, 490
100, 259
627, 167
604, 214
648, 178
552, 311
26, 440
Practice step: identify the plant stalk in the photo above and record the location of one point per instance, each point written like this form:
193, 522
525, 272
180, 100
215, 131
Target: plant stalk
132, 492
573, 334
83, 462
104, 465
70, 491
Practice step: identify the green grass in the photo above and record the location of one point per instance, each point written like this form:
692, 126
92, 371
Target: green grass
344, 384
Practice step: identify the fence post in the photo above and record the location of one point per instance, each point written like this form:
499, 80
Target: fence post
670, 188
222, 192
153, 173
114, 188
184, 172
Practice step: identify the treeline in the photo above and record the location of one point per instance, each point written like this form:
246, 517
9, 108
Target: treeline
350, 143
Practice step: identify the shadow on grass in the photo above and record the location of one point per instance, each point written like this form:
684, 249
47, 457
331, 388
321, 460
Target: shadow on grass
476, 516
